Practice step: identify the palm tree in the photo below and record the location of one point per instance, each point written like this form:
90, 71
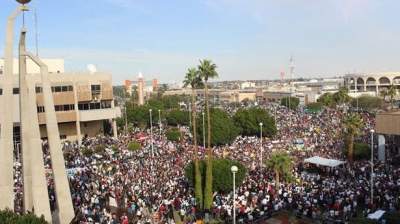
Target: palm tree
207, 70
281, 164
341, 97
384, 93
193, 80
391, 92
352, 125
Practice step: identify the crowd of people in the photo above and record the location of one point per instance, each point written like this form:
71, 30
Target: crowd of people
112, 184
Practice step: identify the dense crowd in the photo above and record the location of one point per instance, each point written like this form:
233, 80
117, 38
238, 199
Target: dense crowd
122, 186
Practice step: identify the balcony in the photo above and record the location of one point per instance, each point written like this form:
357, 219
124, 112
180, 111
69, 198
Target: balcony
99, 114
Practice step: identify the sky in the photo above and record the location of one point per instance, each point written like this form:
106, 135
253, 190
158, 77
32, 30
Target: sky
247, 39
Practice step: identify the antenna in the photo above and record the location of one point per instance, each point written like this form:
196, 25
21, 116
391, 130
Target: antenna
36, 32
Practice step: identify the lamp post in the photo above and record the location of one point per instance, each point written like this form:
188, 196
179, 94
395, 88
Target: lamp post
190, 117
151, 133
372, 166
234, 170
159, 120
204, 131
261, 142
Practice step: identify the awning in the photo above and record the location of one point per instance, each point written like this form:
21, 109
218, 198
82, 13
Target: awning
323, 161
376, 215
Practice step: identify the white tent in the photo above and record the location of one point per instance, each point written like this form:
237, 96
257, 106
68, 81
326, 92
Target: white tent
376, 215
323, 161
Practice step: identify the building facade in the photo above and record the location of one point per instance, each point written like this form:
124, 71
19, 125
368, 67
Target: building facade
83, 102
372, 82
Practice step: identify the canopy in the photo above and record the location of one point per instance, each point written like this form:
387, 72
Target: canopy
323, 161
376, 215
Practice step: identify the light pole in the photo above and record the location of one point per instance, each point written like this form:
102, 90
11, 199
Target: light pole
204, 132
234, 170
151, 134
261, 142
372, 166
159, 120
190, 117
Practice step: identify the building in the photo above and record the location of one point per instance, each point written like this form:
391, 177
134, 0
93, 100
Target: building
388, 129
143, 88
372, 82
83, 102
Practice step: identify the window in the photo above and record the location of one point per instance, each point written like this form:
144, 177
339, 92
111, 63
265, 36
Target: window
58, 107
94, 106
38, 89
63, 137
1, 92
57, 89
15, 91
83, 106
64, 88
96, 88
40, 109
105, 104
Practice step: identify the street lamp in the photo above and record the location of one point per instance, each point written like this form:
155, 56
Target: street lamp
234, 170
372, 166
159, 120
261, 142
204, 131
151, 133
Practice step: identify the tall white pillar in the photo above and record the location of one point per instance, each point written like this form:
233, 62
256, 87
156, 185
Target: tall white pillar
6, 119
63, 193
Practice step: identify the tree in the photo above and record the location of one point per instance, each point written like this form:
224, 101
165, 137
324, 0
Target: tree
207, 70
10, 217
224, 130
222, 175
314, 107
342, 96
248, 121
281, 164
361, 151
193, 80
352, 124
327, 100
173, 134
290, 102
134, 146
367, 103
391, 93
177, 117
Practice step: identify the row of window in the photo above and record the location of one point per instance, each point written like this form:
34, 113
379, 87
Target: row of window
57, 89
81, 106
65, 107
94, 106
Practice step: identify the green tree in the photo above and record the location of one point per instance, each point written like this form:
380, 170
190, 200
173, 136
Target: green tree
173, 134
352, 124
248, 121
327, 100
342, 96
290, 102
222, 175
392, 94
224, 130
360, 150
281, 164
193, 80
177, 117
134, 146
9, 217
207, 70
314, 107
367, 103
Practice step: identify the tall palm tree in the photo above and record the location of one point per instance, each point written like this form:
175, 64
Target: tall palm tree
391, 92
352, 124
193, 80
207, 70
281, 164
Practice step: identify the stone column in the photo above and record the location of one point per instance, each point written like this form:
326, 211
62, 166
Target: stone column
40, 196
25, 125
6, 146
63, 194
78, 120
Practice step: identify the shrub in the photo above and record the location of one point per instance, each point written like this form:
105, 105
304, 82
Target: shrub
222, 175
248, 121
290, 102
134, 146
314, 107
10, 217
178, 117
173, 134
86, 152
